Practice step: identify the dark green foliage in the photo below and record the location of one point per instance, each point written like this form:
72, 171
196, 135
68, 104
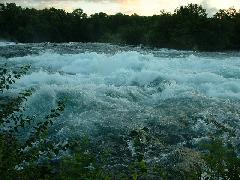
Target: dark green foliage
188, 27
221, 160
82, 164
8, 78
19, 159
10, 106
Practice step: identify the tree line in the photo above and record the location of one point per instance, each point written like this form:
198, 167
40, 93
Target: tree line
188, 27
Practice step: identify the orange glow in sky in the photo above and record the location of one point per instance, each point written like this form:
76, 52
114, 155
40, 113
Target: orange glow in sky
141, 7
129, 6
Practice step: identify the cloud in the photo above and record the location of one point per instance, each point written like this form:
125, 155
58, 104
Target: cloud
142, 7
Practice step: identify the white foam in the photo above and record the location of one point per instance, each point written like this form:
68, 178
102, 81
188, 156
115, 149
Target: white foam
126, 89
176, 76
5, 43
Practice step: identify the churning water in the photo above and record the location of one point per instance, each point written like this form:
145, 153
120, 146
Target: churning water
175, 98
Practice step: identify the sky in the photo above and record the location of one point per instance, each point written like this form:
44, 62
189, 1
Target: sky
141, 7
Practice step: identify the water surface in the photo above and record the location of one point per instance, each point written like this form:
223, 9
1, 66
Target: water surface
172, 99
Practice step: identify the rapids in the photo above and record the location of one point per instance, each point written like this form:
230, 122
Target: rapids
176, 98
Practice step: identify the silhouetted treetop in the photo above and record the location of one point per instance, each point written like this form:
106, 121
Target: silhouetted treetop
79, 13
191, 10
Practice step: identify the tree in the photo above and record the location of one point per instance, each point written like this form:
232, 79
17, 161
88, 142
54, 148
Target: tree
191, 11
226, 13
187, 28
79, 13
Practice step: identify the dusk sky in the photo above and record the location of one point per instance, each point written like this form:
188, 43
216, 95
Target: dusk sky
141, 7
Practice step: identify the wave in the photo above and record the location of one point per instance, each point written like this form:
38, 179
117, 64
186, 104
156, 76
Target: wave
175, 77
5, 43
184, 94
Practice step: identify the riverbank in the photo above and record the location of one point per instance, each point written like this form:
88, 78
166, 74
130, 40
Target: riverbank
188, 28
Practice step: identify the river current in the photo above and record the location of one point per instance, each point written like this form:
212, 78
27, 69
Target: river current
172, 100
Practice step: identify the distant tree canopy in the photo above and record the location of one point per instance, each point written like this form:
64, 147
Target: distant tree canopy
188, 27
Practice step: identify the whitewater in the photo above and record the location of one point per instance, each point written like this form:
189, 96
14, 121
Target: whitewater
176, 98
